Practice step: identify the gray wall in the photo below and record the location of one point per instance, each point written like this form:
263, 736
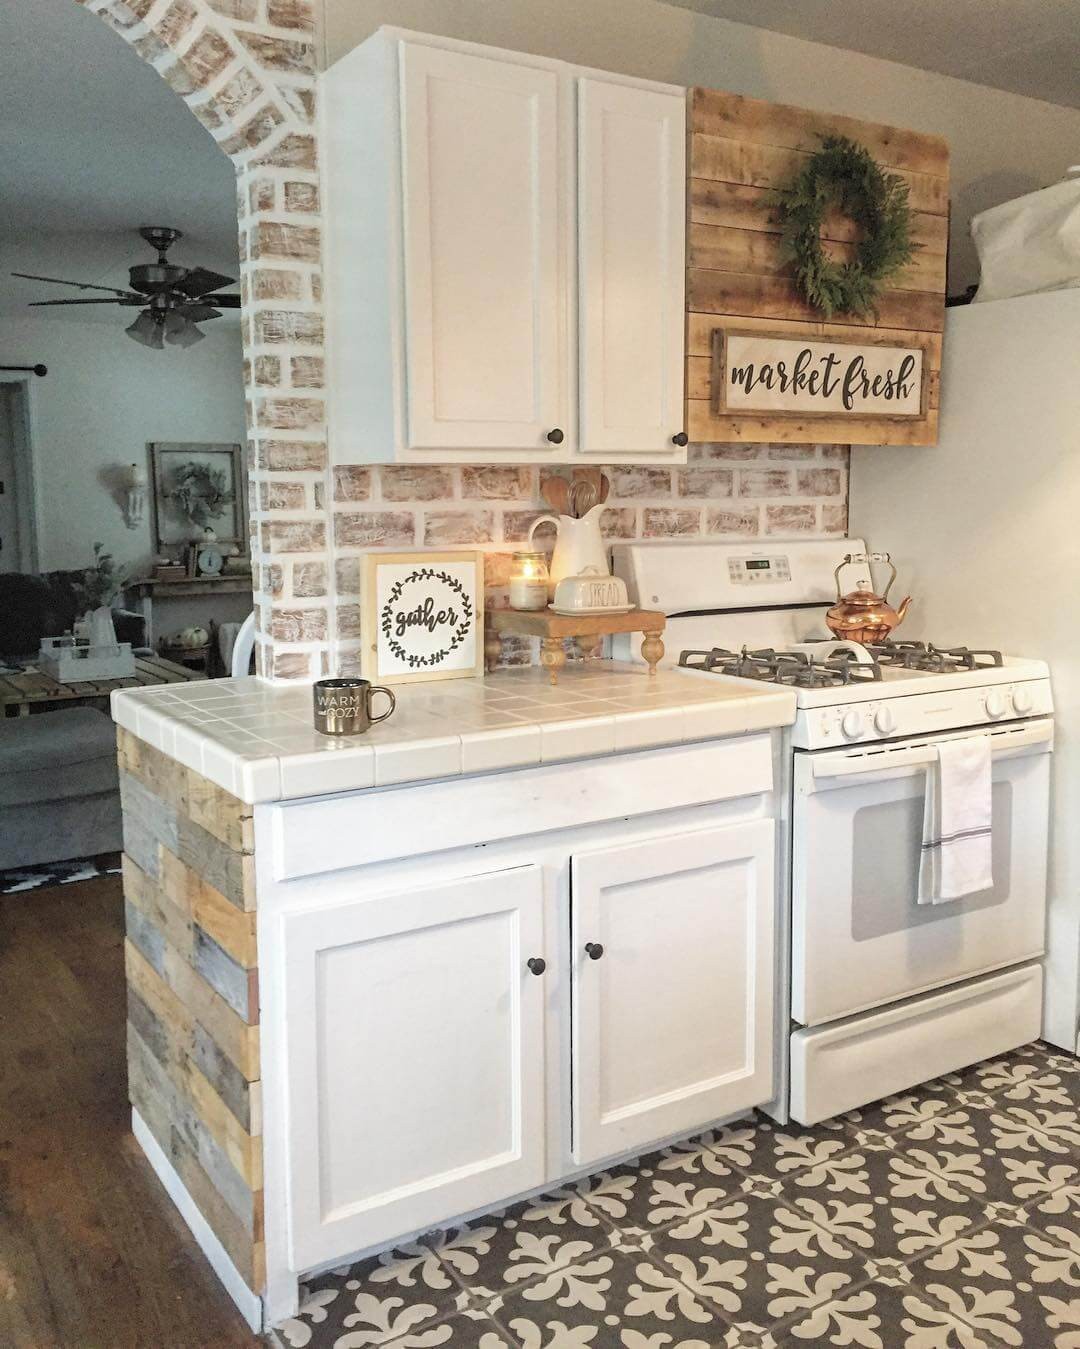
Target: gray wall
1002, 145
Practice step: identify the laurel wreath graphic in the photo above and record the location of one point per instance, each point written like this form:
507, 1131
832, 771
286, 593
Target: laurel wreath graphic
459, 635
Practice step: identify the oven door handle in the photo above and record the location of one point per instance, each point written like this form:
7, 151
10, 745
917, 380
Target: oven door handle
876, 765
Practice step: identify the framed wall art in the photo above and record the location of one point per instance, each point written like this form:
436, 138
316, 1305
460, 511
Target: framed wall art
197, 486
423, 616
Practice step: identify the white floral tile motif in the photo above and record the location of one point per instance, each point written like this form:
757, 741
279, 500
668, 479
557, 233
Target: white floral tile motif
947, 1217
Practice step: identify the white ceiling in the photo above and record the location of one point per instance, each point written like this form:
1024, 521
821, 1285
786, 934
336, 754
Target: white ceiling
1029, 47
93, 144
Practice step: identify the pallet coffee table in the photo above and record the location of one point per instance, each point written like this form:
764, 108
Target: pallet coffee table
31, 691
585, 629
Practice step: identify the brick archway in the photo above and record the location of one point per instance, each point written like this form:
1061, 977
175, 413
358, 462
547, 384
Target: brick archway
246, 69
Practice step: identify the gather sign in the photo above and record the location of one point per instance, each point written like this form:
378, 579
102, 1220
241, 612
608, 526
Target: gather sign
760, 372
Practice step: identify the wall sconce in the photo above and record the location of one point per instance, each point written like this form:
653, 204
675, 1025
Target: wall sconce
134, 483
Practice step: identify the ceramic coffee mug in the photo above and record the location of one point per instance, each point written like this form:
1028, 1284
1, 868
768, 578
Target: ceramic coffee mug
343, 706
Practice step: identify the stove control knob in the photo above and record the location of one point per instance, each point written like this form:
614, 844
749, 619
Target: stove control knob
1022, 700
884, 720
995, 704
852, 725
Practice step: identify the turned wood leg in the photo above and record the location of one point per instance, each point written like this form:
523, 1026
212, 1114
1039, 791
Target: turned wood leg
552, 656
492, 649
652, 650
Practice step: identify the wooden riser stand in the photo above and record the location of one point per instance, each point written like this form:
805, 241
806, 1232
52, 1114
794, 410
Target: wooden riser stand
587, 631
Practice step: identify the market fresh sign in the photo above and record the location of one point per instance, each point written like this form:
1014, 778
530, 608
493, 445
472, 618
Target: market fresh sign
757, 372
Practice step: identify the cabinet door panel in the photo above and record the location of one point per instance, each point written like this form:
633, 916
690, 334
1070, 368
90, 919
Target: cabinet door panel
632, 245
415, 1034
673, 1023
482, 201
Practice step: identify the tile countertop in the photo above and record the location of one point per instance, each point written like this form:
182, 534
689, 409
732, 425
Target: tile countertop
257, 740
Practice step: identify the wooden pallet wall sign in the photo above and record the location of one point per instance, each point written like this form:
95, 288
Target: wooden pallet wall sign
776, 374
737, 280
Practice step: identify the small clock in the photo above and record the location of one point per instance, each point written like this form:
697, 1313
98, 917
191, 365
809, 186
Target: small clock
209, 561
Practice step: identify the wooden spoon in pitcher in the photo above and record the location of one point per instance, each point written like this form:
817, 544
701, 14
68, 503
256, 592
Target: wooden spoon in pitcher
556, 492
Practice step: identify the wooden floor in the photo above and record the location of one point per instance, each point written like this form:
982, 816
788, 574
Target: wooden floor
92, 1253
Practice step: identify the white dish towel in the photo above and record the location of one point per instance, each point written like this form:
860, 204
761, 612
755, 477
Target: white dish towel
957, 842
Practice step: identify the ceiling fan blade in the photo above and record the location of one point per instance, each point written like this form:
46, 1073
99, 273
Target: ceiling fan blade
198, 312
37, 304
222, 301
199, 280
80, 285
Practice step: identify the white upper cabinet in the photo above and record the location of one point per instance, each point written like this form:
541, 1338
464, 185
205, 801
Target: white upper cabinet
505, 257
482, 256
631, 268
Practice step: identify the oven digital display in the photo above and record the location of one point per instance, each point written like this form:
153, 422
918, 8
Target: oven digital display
758, 564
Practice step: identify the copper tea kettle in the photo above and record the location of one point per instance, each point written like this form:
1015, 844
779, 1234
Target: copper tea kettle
861, 615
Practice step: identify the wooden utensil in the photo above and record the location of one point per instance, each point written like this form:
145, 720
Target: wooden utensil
605, 486
583, 497
556, 492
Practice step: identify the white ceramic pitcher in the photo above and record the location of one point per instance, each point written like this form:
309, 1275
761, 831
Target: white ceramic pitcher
578, 547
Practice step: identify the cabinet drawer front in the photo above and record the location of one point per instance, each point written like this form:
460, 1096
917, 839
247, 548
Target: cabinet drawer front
415, 1059
379, 825
631, 267
673, 955
482, 219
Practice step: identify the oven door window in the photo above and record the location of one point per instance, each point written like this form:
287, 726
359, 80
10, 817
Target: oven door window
886, 841
860, 938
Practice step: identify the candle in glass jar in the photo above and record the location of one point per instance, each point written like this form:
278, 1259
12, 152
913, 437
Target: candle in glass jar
528, 581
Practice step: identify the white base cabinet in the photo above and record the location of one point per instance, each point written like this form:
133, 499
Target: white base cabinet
672, 985
447, 1031
505, 257
415, 1058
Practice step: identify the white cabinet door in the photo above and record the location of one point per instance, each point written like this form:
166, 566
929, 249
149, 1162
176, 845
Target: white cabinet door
631, 268
483, 204
415, 1059
673, 985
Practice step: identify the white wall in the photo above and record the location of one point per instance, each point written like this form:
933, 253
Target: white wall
1002, 145
103, 399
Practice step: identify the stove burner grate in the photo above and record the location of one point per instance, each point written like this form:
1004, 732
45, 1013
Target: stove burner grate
928, 657
793, 668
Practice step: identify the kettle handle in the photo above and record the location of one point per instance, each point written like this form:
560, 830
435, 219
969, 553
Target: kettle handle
869, 559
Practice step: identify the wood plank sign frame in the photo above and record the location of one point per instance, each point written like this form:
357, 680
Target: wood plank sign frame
777, 373
423, 616
738, 280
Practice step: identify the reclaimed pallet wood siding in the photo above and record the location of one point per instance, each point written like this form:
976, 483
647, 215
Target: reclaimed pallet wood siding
193, 997
739, 149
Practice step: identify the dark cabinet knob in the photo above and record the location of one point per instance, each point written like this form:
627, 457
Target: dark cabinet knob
537, 964
593, 950
680, 438
556, 437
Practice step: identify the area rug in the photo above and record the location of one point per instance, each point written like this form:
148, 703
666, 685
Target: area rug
58, 873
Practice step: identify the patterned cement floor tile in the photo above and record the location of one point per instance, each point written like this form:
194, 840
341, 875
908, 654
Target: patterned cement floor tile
760, 1260
1017, 1285
884, 1315
374, 1302
616, 1301
521, 1243
943, 1218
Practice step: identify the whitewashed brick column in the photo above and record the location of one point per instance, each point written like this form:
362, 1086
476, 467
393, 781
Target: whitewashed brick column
246, 69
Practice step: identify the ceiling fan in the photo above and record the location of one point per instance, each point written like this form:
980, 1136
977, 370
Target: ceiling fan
172, 300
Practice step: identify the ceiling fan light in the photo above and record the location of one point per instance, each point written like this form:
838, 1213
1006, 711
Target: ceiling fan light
186, 335
145, 330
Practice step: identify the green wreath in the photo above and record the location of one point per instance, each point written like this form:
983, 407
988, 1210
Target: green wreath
844, 175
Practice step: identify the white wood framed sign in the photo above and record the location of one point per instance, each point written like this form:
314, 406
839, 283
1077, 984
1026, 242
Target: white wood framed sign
424, 616
759, 372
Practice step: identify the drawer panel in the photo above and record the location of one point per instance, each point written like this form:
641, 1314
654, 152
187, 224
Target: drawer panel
331, 833
836, 1068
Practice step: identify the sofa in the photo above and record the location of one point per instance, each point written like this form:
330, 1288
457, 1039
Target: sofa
59, 790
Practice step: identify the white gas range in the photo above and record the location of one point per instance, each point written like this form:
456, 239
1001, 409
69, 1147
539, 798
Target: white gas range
882, 992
